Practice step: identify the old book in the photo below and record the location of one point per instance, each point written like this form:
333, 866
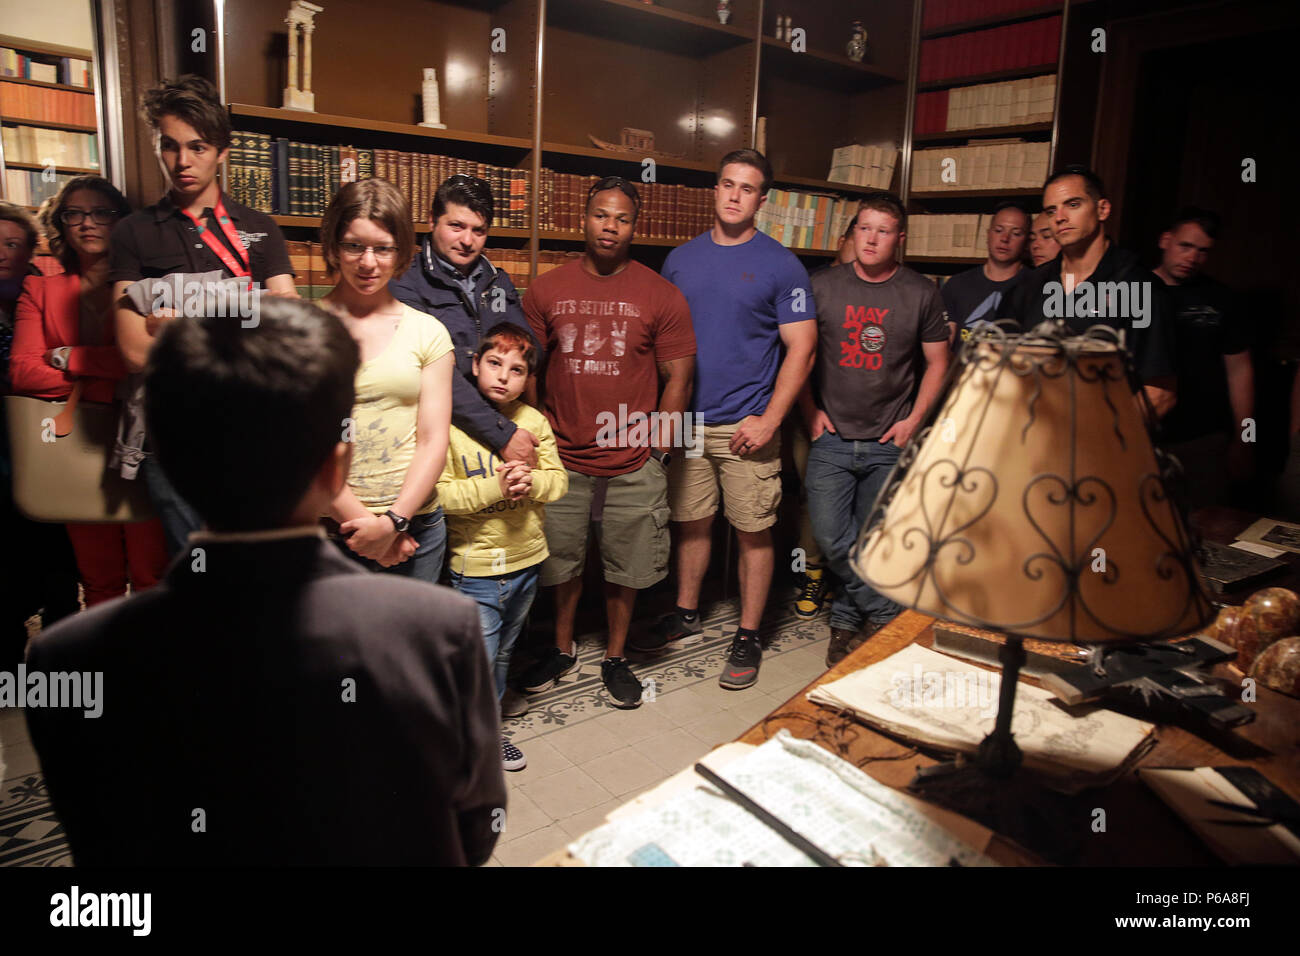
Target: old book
924, 697
1189, 790
998, 165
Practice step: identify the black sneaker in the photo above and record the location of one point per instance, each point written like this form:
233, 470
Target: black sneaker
513, 704
669, 629
512, 758
844, 642
623, 687
546, 672
741, 669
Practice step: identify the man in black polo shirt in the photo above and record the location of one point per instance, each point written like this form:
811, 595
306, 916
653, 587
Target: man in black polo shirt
1216, 381
194, 228
1093, 282
973, 296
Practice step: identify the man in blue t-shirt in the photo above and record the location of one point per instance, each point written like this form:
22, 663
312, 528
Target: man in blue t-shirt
756, 336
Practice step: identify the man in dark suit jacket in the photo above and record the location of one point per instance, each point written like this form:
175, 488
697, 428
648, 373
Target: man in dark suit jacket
270, 702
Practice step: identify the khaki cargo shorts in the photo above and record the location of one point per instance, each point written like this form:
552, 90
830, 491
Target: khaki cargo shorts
630, 527
751, 483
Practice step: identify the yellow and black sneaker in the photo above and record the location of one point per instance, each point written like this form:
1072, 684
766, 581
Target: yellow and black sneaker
813, 594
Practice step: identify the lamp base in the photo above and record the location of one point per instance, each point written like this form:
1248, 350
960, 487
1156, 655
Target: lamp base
989, 789
1050, 824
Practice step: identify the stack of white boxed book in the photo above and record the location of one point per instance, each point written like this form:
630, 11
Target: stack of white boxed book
948, 235
1002, 104
871, 166
1001, 165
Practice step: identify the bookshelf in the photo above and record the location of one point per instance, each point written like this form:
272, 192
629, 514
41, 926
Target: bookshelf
48, 118
573, 69
985, 86
981, 132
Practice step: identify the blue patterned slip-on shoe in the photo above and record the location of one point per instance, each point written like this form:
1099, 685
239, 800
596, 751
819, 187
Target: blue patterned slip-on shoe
512, 758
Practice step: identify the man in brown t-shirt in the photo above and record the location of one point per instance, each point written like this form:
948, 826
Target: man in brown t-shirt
620, 360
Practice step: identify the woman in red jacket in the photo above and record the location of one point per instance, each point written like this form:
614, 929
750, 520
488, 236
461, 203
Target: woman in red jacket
63, 332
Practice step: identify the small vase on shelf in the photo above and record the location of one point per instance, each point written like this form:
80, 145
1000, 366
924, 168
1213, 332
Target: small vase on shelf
724, 11
857, 46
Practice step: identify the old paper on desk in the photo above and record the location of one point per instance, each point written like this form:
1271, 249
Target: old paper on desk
825, 799
1188, 790
927, 697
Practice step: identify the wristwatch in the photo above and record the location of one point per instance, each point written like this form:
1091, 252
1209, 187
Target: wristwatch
400, 523
663, 457
59, 358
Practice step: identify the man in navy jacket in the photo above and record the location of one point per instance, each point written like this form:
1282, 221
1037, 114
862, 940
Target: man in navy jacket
269, 702
452, 280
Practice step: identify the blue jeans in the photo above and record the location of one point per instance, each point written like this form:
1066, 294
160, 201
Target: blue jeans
430, 534
843, 480
503, 604
177, 517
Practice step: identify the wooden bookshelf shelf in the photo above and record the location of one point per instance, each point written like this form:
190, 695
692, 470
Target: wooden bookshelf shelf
48, 49
90, 91
632, 21
313, 222
944, 260
368, 125
995, 21
1016, 74
825, 185
975, 193
553, 235
822, 69
61, 170
981, 132
828, 253
47, 124
592, 152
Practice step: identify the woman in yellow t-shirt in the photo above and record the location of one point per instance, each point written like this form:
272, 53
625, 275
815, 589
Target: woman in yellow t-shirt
388, 511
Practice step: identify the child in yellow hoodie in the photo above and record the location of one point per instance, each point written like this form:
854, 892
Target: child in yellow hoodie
495, 510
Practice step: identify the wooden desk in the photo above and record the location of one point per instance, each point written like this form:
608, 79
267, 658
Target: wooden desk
1141, 829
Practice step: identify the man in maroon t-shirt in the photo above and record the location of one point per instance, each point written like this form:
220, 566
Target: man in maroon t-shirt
620, 360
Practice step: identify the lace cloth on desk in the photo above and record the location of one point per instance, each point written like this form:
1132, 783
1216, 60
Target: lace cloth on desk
827, 800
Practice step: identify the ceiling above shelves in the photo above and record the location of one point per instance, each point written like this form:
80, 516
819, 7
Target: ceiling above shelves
632, 21
822, 69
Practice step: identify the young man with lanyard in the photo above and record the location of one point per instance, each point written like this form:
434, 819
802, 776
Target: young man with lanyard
973, 296
452, 280
750, 302
1216, 380
1088, 271
620, 354
193, 229
881, 358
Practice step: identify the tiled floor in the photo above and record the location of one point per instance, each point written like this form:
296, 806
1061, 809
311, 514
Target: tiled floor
586, 757
578, 771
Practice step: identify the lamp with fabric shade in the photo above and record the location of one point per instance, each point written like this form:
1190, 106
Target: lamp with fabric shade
1035, 503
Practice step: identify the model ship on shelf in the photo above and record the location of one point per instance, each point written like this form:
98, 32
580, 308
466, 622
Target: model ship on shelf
631, 138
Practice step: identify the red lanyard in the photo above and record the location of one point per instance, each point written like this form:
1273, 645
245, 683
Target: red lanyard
237, 266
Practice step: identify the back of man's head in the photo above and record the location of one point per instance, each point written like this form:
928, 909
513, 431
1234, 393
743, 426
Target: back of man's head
242, 419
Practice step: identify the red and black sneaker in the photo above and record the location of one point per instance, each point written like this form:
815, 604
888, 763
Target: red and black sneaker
741, 669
